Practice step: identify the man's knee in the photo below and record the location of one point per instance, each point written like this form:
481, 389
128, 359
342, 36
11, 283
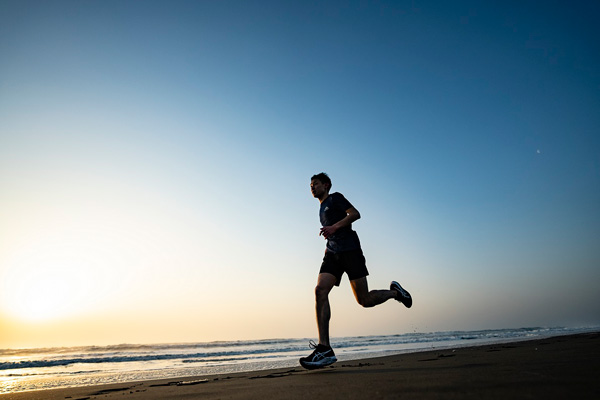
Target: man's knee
361, 292
321, 292
365, 301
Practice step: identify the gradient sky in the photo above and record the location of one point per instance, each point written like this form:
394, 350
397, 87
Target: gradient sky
155, 161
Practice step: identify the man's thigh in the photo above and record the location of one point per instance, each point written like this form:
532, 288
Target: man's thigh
360, 288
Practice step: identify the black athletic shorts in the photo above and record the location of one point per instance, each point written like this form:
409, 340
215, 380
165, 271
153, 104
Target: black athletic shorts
351, 262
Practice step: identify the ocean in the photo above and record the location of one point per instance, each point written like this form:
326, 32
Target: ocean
35, 369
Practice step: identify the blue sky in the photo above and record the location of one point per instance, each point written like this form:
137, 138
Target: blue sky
155, 159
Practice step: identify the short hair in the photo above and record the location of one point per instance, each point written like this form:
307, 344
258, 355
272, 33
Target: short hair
323, 178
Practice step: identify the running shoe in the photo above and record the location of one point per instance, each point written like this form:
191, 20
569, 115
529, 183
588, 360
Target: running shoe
321, 357
403, 296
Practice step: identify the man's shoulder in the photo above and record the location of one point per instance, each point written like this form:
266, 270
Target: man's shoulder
333, 197
339, 199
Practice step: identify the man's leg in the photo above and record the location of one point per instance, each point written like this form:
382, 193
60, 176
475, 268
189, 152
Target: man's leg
325, 283
323, 354
371, 298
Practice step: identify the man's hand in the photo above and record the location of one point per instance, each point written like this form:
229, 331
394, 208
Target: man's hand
352, 215
327, 231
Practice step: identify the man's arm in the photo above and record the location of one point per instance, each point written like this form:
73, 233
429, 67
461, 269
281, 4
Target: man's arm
352, 215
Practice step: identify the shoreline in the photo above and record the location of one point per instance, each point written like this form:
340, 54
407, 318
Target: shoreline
558, 365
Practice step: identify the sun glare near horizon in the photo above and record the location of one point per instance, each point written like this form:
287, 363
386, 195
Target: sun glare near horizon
44, 287
54, 277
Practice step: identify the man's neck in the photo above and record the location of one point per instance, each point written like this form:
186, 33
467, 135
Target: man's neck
323, 198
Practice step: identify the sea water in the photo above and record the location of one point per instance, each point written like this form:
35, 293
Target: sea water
34, 369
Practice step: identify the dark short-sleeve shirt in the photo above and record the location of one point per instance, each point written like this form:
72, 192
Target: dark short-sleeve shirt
333, 210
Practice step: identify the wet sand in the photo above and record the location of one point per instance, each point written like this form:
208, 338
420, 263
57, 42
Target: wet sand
562, 366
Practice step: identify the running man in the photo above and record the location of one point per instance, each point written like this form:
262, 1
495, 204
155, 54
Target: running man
342, 254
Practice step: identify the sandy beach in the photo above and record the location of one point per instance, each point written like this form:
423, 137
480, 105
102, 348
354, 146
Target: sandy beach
544, 368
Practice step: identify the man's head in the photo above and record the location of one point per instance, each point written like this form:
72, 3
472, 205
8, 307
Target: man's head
320, 184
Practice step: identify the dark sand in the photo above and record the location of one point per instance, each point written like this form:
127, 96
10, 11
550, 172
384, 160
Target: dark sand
557, 367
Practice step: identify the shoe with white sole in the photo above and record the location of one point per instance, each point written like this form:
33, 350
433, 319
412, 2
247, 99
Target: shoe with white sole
403, 296
321, 357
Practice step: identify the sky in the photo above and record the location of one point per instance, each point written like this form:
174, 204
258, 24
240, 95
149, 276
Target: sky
155, 162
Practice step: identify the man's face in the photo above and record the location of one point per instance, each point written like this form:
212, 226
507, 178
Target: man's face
317, 188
